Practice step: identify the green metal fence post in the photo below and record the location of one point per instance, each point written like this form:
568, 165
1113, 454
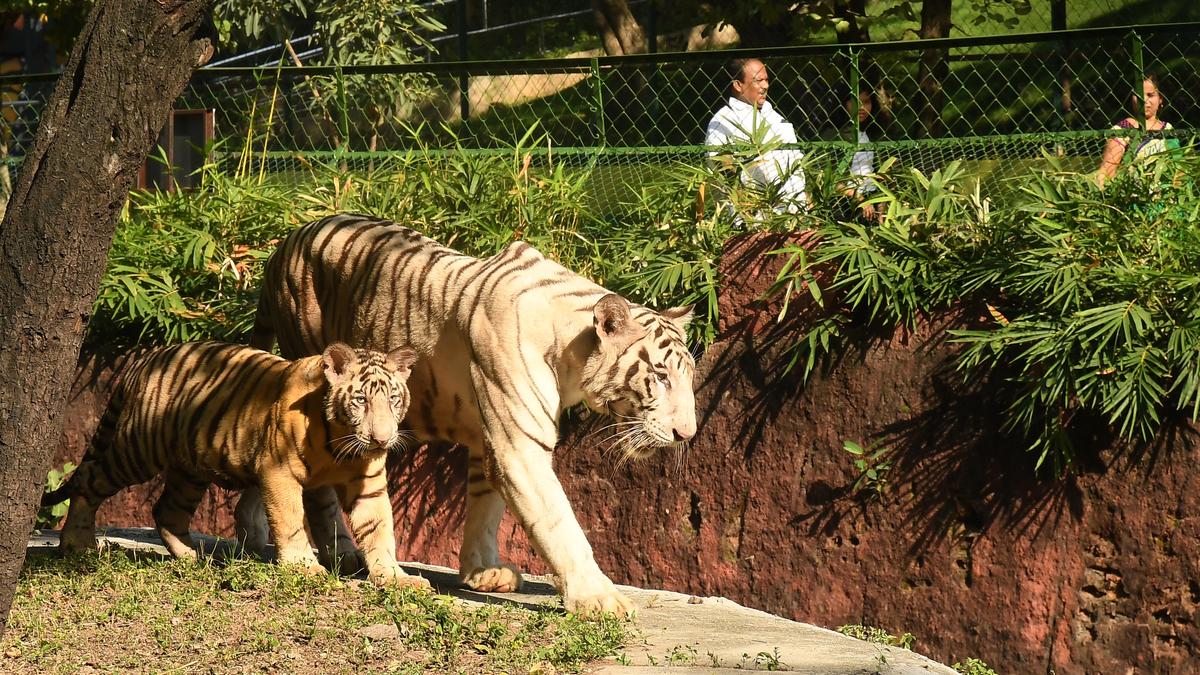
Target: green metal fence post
345, 113
655, 137
1058, 14
855, 75
601, 135
855, 104
652, 27
464, 95
1139, 74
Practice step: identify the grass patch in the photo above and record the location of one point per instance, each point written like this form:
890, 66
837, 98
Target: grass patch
877, 636
108, 612
973, 667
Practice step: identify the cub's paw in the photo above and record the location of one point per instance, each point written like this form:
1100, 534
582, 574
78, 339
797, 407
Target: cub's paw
397, 578
498, 579
592, 606
307, 564
184, 552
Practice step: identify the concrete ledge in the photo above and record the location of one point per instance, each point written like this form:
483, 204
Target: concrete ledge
680, 633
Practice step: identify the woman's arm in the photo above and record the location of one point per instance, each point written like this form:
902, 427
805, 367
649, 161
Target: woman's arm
1114, 152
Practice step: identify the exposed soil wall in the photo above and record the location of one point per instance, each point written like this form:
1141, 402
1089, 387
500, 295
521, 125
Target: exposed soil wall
966, 549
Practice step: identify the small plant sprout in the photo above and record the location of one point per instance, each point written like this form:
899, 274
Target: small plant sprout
873, 463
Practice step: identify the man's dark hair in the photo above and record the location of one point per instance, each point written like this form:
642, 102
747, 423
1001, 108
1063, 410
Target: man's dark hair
736, 70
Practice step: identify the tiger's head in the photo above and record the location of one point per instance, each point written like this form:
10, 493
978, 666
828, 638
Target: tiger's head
641, 373
368, 395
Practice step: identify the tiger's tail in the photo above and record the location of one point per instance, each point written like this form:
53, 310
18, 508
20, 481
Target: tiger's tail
262, 334
101, 440
62, 494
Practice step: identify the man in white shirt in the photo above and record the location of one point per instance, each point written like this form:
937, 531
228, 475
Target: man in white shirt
749, 118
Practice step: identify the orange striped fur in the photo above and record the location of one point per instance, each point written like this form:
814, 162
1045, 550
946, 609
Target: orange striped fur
209, 412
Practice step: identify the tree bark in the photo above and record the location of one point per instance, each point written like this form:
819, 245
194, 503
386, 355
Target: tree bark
130, 62
935, 66
620, 32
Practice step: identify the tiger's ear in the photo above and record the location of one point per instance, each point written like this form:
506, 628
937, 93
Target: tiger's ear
611, 317
337, 359
680, 316
401, 360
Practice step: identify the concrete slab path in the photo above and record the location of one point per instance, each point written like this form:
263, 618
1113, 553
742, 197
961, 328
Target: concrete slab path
679, 634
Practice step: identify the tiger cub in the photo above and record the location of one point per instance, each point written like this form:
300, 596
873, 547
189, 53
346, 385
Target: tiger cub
210, 412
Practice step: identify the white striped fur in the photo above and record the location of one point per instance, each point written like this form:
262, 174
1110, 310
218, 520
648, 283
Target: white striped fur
507, 343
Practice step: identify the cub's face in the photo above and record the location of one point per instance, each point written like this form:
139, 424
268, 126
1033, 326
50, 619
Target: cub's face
641, 373
368, 394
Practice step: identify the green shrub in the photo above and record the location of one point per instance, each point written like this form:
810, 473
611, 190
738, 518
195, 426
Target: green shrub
1091, 293
186, 265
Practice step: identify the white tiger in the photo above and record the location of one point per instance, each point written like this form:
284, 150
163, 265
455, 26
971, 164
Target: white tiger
507, 343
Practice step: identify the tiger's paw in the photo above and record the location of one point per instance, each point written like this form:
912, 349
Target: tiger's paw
314, 570
498, 579
396, 577
592, 606
305, 563
180, 545
184, 553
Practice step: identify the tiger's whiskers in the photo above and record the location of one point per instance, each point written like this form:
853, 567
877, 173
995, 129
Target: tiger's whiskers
346, 446
681, 464
404, 442
597, 430
618, 431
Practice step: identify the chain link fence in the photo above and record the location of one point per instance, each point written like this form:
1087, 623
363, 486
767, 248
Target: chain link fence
999, 102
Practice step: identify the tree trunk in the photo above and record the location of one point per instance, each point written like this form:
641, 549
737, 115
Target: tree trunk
5, 176
935, 66
620, 31
130, 62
